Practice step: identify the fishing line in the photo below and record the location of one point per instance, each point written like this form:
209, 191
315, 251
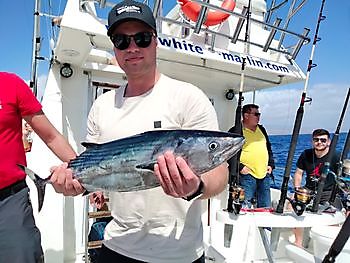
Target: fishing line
299, 117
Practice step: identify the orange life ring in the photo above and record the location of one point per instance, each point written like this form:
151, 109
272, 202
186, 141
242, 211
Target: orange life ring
192, 9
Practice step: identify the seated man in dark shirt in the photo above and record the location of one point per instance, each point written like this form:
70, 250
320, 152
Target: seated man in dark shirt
311, 161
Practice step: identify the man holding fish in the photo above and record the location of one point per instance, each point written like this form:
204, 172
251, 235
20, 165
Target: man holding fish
159, 224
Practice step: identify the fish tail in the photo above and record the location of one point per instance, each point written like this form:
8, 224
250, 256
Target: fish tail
39, 182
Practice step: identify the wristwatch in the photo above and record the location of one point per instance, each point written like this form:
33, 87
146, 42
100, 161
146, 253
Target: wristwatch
196, 194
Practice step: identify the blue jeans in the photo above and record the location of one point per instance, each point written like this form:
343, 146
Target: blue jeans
258, 189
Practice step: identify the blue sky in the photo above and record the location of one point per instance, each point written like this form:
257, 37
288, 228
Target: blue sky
328, 84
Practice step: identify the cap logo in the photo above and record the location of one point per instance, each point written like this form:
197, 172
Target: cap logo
129, 9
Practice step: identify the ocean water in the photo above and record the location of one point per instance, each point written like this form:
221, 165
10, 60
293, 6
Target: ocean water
280, 147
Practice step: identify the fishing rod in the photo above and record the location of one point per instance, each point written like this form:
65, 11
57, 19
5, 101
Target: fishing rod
346, 149
234, 161
327, 164
299, 118
36, 48
343, 156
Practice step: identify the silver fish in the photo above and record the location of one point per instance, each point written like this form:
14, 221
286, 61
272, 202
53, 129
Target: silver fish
127, 164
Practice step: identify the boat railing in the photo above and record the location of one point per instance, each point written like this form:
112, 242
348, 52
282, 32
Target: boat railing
274, 28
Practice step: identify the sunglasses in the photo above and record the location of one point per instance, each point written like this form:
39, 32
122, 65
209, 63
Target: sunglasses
323, 140
257, 114
141, 39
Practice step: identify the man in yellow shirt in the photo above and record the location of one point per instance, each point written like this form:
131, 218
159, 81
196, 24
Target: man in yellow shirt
256, 160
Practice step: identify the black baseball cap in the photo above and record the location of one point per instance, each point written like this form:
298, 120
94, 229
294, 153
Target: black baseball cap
130, 10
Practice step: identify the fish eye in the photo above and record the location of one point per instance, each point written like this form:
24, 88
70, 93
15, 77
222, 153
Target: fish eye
213, 146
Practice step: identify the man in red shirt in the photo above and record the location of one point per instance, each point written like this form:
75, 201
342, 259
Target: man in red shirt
19, 236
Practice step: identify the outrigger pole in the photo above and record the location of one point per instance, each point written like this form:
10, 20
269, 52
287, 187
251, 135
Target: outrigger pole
234, 161
36, 48
298, 118
327, 164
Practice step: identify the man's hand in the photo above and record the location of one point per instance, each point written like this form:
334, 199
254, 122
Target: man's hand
245, 170
97, 199
269, 169
175, 176
63, 182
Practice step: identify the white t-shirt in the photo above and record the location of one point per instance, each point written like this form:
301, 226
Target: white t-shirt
150, 225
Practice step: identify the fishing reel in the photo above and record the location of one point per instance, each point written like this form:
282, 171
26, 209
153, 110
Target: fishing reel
238, 196
302, 197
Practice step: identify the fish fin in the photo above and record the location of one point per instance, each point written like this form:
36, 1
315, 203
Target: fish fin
88, 144
146, 166
39, 183
86, 192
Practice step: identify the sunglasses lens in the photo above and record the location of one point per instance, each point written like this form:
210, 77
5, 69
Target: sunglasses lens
121, 41
142, 39
323, 140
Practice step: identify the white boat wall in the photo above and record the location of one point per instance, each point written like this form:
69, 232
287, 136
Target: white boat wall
210, 58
